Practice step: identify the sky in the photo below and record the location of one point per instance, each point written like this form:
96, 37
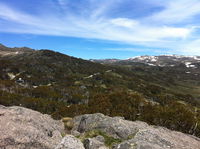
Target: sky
98, 29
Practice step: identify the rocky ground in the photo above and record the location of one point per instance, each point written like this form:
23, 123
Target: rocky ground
23, 128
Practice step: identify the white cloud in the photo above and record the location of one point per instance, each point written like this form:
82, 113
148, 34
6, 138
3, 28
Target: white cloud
167, 32
95, 24
124, 22
178, 11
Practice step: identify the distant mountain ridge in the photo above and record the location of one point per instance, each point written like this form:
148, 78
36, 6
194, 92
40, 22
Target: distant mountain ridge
6, 51
161, 60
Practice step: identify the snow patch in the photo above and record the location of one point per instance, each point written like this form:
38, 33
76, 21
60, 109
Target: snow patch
187, 72
187, 64
142, 58
150, 64
162, 65
193, 66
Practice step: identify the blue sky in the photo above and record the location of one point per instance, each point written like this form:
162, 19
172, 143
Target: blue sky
102, 28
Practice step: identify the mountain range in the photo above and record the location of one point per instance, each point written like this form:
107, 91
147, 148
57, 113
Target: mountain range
161, 60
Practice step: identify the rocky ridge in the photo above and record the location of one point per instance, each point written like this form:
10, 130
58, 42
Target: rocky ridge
23, 128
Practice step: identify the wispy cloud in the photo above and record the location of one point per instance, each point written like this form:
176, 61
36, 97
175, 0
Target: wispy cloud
173, 27
178, 11
124, 22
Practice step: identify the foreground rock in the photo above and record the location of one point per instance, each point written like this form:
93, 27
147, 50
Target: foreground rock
22, 128
70, 142
133, 135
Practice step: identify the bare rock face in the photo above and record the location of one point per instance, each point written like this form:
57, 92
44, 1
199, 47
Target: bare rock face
134, 135
22, 128
70, 142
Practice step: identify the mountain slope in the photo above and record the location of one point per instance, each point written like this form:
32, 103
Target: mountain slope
183, 72
60, 85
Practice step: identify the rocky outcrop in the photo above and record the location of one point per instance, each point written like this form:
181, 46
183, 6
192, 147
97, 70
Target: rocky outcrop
134, 135
116, 127
22, 128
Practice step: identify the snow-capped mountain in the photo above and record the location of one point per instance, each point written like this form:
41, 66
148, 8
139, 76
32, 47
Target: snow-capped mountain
167, 60
162, 60
105, 61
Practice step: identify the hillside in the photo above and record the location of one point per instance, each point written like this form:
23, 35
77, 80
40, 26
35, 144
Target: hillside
181, 72
60, 85
33, 130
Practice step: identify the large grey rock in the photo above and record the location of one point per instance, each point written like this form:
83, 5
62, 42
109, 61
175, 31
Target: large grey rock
70, 142
22, 128
116, 126
135, 135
